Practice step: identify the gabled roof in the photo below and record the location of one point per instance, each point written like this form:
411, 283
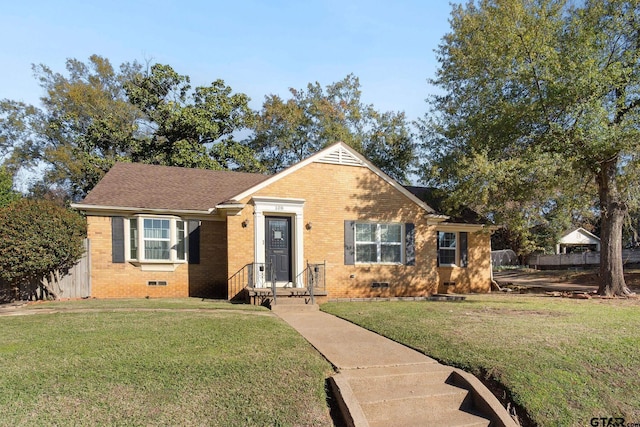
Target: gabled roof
569, 236
136, 185
340, 153
150, 188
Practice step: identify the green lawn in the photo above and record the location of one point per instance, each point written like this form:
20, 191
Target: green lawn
158, 362
564, 360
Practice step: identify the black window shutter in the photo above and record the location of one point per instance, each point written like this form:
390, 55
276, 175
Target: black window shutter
438, 248
464, 261
410, 244
117, 240
349, 243
194, 242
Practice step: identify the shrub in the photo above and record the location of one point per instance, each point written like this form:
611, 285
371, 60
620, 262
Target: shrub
37, 238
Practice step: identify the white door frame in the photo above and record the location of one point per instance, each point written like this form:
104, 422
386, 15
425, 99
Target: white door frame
279, 206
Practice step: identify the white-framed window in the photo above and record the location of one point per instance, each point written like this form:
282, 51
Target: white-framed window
156, 239
452, 249
378, 243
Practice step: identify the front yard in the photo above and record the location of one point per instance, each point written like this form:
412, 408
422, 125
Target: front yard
565, 360
157, 362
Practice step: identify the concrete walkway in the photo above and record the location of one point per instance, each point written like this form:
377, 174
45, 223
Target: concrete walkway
382, 383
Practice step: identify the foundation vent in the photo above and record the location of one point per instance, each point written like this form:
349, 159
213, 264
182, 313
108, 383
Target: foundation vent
157, 283
380, 285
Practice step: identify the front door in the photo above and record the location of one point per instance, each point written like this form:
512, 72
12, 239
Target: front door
278, 247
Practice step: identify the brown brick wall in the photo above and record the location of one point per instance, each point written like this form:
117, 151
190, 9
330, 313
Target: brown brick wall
109, 280
209, 278
477, 276
335, 193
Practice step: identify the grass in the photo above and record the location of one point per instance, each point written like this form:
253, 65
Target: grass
565, 361
157, 362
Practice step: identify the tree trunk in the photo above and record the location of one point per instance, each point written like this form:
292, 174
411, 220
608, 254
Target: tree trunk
613, 210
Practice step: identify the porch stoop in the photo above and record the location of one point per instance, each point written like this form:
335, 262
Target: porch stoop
293, 304
284, 296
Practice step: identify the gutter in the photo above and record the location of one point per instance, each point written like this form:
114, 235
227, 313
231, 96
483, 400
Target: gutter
117, 209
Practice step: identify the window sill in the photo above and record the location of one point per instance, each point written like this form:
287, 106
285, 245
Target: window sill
157, 265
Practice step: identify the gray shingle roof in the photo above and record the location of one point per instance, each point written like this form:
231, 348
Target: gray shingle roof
137, 185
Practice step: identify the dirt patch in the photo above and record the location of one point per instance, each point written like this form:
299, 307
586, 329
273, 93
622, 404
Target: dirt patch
541, 281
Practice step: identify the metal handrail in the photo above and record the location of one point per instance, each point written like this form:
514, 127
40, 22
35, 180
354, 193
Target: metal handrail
273, 282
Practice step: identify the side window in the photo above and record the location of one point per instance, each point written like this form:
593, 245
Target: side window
378, 243
452, 249
446, 248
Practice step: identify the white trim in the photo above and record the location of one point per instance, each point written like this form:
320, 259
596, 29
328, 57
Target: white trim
453, 226
122, 209
340, 147
155, 264
228, 209
277, 206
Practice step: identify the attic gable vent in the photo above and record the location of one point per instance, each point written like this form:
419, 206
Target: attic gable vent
340, 156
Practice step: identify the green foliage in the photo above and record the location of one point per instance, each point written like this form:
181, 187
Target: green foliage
36, 238
190, 128
108, 363
96, 115
84, 126
564, 360
540, 109
7, 193
287, 131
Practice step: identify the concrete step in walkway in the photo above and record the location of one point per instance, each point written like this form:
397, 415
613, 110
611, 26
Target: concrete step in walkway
383, 383
297, 304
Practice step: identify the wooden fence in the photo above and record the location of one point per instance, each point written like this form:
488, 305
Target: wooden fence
76, 283
586, 260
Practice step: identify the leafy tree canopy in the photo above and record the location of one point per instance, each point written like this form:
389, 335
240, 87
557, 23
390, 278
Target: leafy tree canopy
36, 238
7, 193
540, 110
96, 115
287, 131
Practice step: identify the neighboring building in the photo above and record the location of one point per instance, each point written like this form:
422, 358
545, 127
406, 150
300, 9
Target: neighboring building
578, 241
162, 231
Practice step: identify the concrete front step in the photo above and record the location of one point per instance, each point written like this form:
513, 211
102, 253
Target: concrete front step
282, 300
429, 366
421, 419
438, 397
412, 394
280, 307
423, 411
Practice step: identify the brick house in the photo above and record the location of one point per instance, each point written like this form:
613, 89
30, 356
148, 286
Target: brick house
334, 220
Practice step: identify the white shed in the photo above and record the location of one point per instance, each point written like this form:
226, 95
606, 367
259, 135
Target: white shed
578, 240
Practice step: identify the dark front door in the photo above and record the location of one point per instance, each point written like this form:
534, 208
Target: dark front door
278, 247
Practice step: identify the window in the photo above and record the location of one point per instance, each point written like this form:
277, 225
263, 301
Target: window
378, 243
452, 248
156, 239
447, 248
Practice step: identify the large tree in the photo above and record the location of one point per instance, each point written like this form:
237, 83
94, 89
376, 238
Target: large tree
7, 193
191, 127
541, 100
95, 115
84, 125
287, 131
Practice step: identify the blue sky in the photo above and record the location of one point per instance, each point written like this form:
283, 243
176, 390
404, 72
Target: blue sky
256, 47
